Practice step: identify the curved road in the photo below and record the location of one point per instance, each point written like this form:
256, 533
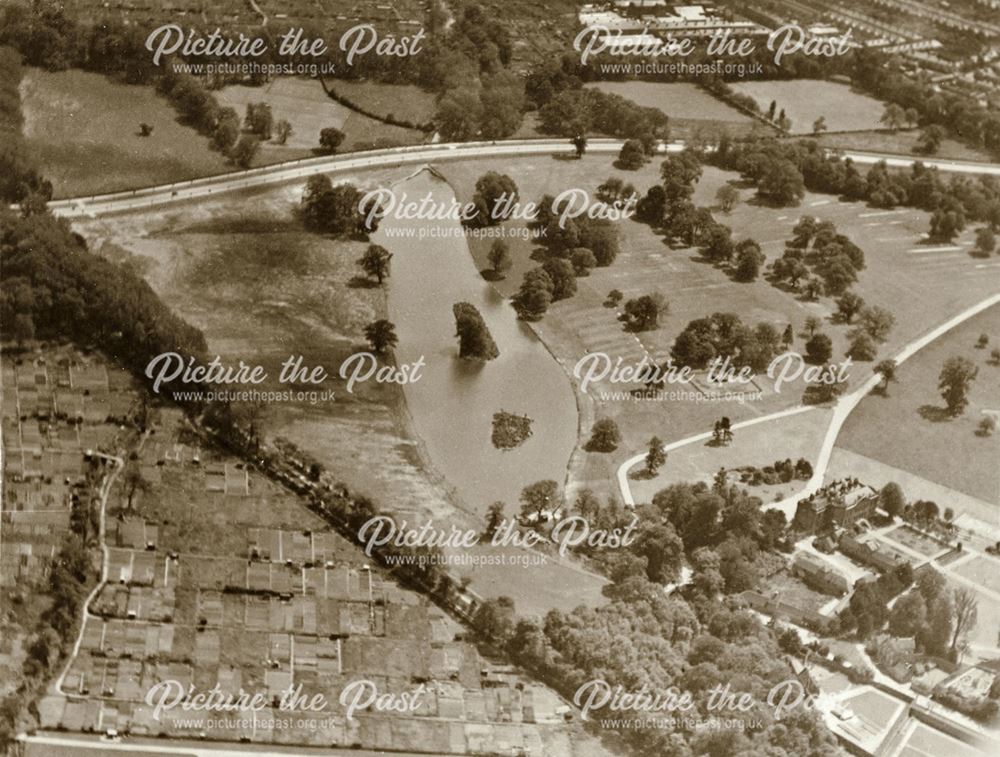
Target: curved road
117, 202
843, 408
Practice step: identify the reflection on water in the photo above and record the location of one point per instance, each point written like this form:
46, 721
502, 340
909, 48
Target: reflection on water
453, 404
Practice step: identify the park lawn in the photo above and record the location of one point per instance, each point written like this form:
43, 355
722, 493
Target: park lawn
805, 100
304, 104
83, 130
909, 430
902, 275
759, 445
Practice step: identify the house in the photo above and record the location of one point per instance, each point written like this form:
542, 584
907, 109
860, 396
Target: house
818, 575
841, 503
868, 553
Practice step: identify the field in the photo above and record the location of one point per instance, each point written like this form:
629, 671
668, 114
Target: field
908, 429
759, 445
805, 100
83, 128
901, 275
402, 101
902, 142
304, 104
691, 110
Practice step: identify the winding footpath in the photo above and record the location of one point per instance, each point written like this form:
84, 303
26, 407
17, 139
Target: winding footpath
841, 410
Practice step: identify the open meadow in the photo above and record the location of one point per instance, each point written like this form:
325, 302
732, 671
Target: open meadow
83, 129
908, 428
805, 100
304, 104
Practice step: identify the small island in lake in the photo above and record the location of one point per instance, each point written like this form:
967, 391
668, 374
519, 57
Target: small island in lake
510, 430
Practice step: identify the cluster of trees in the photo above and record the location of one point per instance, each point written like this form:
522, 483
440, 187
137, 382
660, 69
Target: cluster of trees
687, 639
818, 260
586, 111
495, 198
920, 101
574, 248
782, 168
474, 339
481, 98
200, 109
725, 335
18, 176
668, 206
330, 209
53, 284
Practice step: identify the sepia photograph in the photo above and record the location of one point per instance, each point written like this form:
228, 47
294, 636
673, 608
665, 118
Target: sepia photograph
443, 378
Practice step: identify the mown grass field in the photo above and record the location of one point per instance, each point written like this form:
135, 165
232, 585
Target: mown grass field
84, 131
922, 285
908, 428
805, 100
304, 104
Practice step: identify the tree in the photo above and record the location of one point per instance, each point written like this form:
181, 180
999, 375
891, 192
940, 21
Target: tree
718, 244
330, 139
375, 262
495, 198
245, 150
23, 329
781, 184
663, 550
494, 517
283, 130
499, 257
474, 338
604, 436
862, 347
877, 322
893, 117
537, 498
930, 139
986, 241
987, 426
134, 481
727, 197
381, 335
819, 125
534, 296
632, 155
583, 261
259, 120
849, 305
227, 130
891, 499
813, 324
819, 349
655, 457
563, 278
956, 377
749, 259
908, 615
643, 313
946, 224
